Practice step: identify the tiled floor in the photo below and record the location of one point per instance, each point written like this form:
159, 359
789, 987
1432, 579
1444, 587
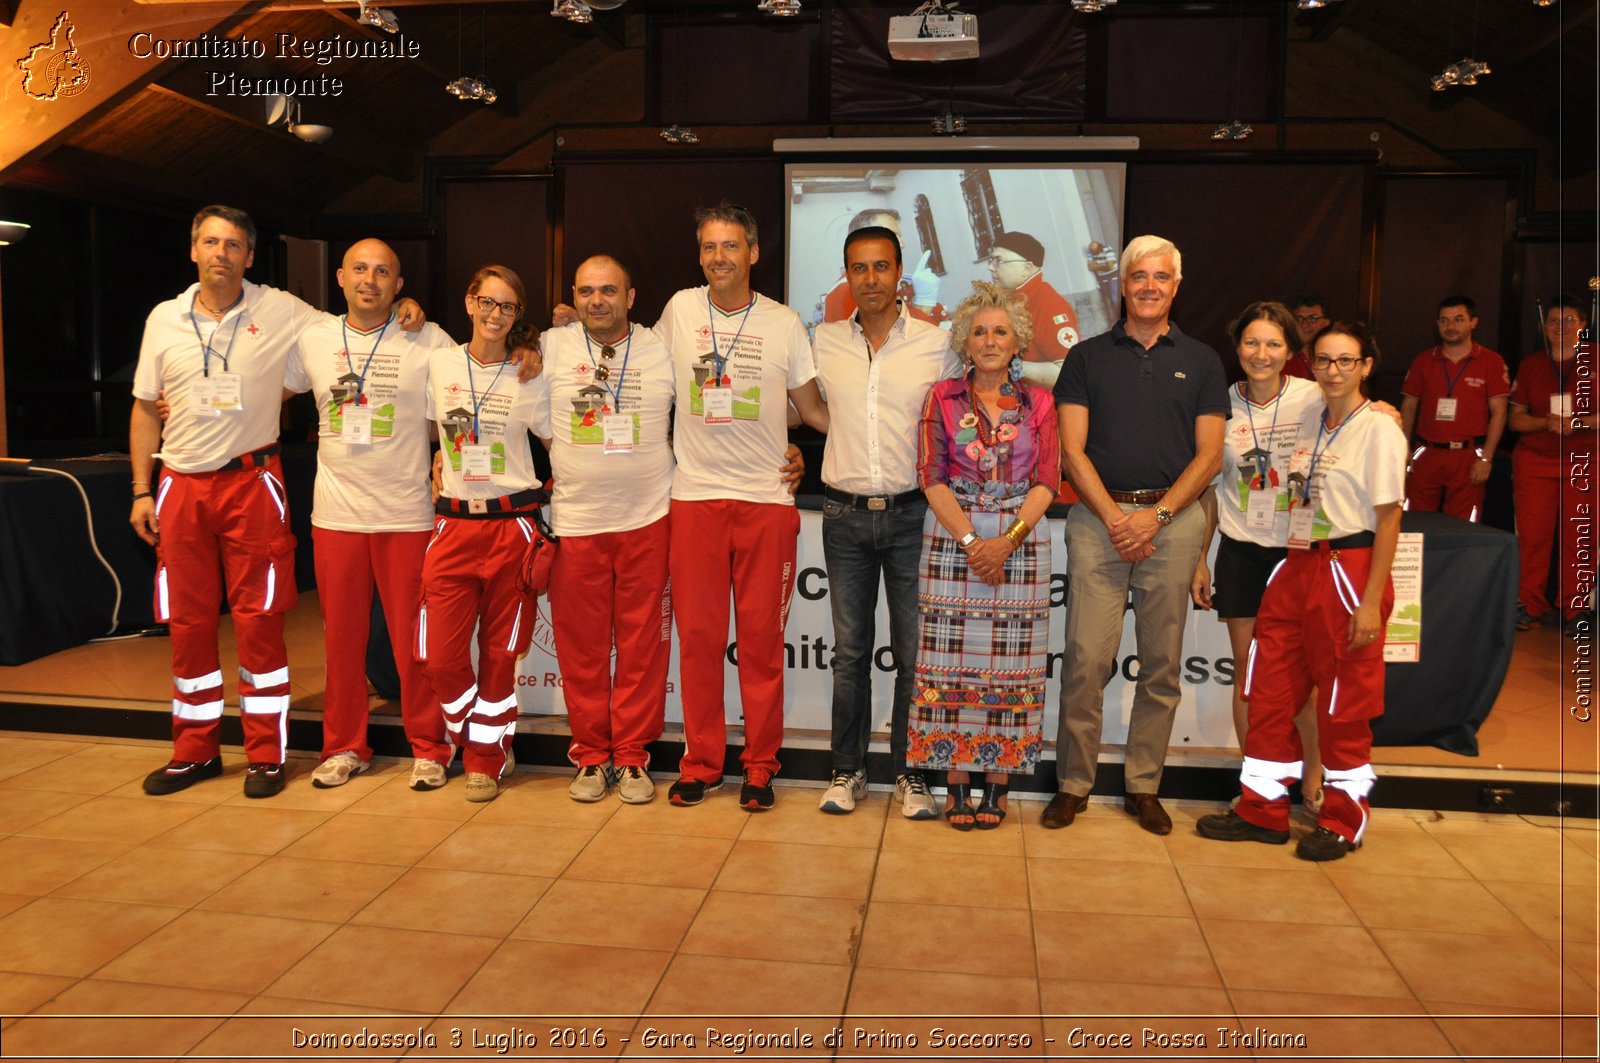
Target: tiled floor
204, 924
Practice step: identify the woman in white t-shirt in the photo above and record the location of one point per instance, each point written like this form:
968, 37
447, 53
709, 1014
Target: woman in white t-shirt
1322, 616
1251, 501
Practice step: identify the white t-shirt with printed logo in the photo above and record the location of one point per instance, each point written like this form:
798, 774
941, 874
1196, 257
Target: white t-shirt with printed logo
766, 352
252, 341
484, 405
1255, 462
599, 488
1357, 470
380, 485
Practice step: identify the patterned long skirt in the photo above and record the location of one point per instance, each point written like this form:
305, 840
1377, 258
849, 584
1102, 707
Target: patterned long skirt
980, 676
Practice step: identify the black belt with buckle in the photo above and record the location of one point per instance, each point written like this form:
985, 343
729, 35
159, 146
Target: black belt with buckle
1346, 542
482, 508
1139, 498
872, 502
253, 460
1459, 444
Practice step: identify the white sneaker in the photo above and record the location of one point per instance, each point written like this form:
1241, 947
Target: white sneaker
843, 792
510, 765
337, 769
590, 783
481, 787
916, 802
634, 785
427, 774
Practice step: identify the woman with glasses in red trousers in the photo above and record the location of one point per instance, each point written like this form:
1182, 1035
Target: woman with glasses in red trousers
1322, 616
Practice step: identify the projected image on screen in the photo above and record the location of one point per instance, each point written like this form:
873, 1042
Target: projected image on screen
1050, 231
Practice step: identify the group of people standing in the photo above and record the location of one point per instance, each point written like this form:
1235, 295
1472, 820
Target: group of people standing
672, 470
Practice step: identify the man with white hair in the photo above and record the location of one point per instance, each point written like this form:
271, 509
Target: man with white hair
1141, 410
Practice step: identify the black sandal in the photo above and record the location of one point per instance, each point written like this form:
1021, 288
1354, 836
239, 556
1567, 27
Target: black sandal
989, 805
960, 812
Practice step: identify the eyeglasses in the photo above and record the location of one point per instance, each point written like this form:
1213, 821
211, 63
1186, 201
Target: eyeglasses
1255, 345
603, 373
1309, 319
489, 306
1345, 362
1000, 260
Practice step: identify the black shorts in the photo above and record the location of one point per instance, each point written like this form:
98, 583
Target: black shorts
1242, 571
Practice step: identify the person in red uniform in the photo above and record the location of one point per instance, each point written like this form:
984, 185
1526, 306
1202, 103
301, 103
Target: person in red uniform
218, 516
1309, 317
485, 538
1322, 617
1552, 467
1455, 399
1017, 262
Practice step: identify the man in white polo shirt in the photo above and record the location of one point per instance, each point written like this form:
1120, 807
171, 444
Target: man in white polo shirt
371, 514
875, 369
739, 359
219, 515
610, 388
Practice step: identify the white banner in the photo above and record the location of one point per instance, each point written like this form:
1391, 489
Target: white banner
1204, 717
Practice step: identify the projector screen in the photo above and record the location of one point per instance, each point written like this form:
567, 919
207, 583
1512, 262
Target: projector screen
965, 223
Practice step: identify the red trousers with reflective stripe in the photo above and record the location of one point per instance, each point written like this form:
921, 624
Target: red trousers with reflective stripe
611, 590
746, 550
1440, 481
349, 564
469, 577
1302, 639
226, 531
1554, 508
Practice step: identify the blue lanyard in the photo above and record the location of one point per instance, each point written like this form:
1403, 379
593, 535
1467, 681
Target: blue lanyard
477, 403
1318, 450
717, 357
361, 384
627, 351
1283, 385
1444, 368
205, 344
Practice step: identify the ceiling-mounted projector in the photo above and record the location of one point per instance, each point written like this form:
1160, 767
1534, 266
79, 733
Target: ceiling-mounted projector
933, 34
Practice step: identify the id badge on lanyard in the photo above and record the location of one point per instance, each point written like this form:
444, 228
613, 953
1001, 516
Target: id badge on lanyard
356, 427
476, 463
1261, 509
1301, 530
218, 394
717, 404
617, 429
1445, 410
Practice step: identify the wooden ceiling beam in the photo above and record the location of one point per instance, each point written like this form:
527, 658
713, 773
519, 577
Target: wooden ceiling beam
80, 67
348, 145
1573, 16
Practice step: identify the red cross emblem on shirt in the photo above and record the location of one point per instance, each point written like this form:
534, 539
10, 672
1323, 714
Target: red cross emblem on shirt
253, 329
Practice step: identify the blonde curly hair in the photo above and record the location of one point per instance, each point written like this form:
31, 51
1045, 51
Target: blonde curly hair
986, 296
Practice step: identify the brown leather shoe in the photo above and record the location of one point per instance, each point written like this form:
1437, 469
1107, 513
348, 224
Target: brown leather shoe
1152, 817
1062, 810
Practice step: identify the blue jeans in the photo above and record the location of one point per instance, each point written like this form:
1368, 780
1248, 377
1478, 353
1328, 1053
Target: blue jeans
860, 544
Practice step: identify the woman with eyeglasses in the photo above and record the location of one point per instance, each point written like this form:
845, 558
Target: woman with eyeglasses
989, 461
1251, 502
1322, 616
486, 534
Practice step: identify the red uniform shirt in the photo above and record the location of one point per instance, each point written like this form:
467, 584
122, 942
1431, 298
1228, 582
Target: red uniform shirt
1538, 378
1299, 364
1055, 325
1472, 382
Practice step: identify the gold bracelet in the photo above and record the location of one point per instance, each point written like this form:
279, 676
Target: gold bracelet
1017, 532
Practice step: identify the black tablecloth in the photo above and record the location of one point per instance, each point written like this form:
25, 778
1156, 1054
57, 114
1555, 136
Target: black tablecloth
1469, 602
54, 592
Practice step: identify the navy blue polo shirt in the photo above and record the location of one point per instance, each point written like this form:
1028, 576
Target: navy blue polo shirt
1142, 404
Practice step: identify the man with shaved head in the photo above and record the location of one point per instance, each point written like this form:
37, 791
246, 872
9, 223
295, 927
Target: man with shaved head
372, 512
611, 391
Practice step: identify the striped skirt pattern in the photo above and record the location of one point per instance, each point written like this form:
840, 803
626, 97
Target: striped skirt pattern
978, 699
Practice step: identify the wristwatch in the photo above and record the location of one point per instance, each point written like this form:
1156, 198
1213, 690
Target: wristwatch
1164, 515
966, 541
